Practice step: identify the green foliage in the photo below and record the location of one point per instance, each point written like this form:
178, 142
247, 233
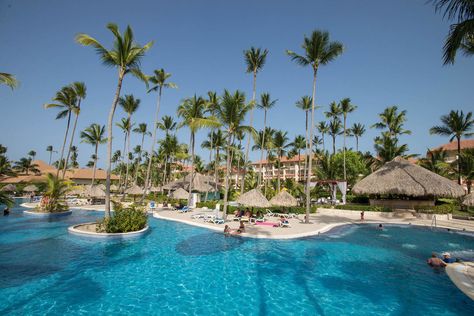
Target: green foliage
357, 199
5, 199
355, 166
438, 209
367, 208
123, 220
56, 189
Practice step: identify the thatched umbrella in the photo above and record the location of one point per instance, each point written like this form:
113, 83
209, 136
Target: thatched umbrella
400, 177
134, 190
113, 187
94, 191
180, 194
468, 200
155, 189
201, 183
8, 188
76, 191
283, 199
101, 186
253, 198
30, 188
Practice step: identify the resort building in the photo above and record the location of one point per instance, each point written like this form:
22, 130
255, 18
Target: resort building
451, 148
291, 168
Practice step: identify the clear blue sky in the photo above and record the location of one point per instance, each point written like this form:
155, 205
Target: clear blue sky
393, 56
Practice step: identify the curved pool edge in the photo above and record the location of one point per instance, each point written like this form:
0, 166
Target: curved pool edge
462, 275
48, 215
74, 231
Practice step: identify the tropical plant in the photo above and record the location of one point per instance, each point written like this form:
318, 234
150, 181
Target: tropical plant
357, 131
346, 108
142, 129
65, 100
80, 92
125, 56
169, 147
125, 220
266, 103
130, 105
318, 51
305, 104
255, 59
387, 148
456, 125
323, 128
56, 189
335, 128
74, 155
50, 149
26, 165
392, 121
94, 135
435, 161
192, 111
32, 154
231, 114
217, 141
461, 33
280, 144
8, 80
5, 167
158, 79
5, 199
466, 161
167, 124
125, 125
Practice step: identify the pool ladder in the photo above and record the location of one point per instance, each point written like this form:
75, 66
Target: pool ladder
433, 222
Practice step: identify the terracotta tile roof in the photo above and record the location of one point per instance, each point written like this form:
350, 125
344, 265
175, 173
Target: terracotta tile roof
86, 173
465, 144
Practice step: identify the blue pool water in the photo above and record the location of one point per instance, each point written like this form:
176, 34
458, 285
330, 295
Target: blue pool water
182, 269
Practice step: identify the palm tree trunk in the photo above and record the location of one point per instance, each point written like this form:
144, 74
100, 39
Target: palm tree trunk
152, 147
357, 143
344, 149
248, 134
72, 138
95, 164
191, 144
299, 160
324, 146
262, 146
210, 159
458, 159
333, 144
216, 167
109, 142
50, 157
227, 175
139, 159
128, 156
122, 159
306, 151
64, 143
279, 174
310, 150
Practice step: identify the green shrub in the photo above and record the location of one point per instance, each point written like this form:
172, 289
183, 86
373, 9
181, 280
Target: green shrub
274, 209
357, 199
209, 204
367, 208
438, 209
123, 220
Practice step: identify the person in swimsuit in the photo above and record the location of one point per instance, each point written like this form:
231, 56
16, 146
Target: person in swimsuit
241, 228
436, 262
447, 258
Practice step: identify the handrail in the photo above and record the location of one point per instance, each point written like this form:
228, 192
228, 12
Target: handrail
433, 222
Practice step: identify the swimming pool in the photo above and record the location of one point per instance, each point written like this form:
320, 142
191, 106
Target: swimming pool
183, 269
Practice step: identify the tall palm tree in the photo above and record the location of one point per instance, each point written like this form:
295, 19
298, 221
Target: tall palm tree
255, 60
8, 80
130, 105
192, 111
26, 165
392, 121
143, 130
50, 149
169, 146
461, 33
335, 128
435, 161
323, 128
167, 124
125, 125
266, 103
318, 51
387, 148
125, 56
80, 91
32, 154
231, 114
299, 143
280, 144
357, 131
74, 156
305, 103
216, 140
158, 79
346, 107
456, 125
65, 100
94, 135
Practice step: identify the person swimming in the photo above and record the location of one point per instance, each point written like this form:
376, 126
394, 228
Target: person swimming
447, 257
435, 262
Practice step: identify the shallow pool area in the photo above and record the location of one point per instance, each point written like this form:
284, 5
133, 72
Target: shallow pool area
183, 269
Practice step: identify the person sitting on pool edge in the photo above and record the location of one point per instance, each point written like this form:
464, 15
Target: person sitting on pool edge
436, 262
447, 257
241, 228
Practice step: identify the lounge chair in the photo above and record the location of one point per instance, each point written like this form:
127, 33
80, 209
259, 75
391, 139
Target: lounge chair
216, 220
245, 219
184, 209
197, 216
285, 224
270, 213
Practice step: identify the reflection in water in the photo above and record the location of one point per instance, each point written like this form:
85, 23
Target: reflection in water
207, 244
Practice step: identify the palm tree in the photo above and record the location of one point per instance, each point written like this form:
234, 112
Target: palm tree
216, 141
393, 121
335, 127
167, 124
56, 189
65, 100
346, 108
94, 135
323, 128
461, 33
255, 60
125, 125
298, 144
456, 125
32, 154
266, 103
318, 51
231, 114
212, 104
280, 144
435, 161
5, 167
387, 148
126, 56
192, 112
305, 103
357, 131
116, 157
143, 130
25, 165
130, 105
8, 80
169, 146
50, 150
79, 89
159, 80
74, 155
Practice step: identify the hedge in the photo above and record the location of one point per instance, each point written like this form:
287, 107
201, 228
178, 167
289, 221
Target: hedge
437, 209
367, 208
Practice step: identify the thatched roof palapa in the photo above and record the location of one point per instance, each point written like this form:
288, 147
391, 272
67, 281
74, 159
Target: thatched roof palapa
283, 199
201, 183
101, 186
8, 188
113, 187
94, 191
30, 188
253, 198
400, 177
468, 200
180, 194
76, 191
134, 190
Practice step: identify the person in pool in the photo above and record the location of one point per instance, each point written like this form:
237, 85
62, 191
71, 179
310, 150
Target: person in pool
435, 262
447, 257
6, 211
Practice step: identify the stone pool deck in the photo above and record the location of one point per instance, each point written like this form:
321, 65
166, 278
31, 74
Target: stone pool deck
321, 222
